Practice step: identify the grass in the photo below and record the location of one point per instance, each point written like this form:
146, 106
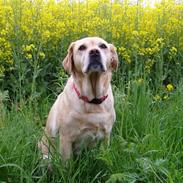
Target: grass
146, 142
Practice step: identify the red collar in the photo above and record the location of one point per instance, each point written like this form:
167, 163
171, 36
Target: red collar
85, 98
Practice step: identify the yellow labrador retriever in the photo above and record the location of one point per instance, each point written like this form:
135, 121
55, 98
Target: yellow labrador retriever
84, 112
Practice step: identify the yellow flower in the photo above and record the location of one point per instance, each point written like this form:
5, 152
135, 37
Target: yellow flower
173, 51
46, 34
28, 48
28, 56
41, 55
10, 61
165, 97
148, 65
157, 97
135, 33
159, 41
3, 32
169, 87
125, 54
2, 69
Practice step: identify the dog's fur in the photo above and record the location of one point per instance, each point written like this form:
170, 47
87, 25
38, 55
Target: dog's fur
77, 121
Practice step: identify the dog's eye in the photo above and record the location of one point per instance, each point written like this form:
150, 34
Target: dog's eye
82, 47
103, 46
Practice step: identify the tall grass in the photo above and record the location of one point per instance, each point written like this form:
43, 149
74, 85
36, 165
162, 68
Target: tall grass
146, 143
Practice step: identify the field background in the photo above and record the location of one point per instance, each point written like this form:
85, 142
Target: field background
147, 138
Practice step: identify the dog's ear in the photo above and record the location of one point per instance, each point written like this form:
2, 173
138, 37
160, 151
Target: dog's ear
114, 57
68, 62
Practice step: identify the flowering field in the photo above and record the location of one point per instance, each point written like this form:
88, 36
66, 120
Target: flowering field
146, 144
35, 35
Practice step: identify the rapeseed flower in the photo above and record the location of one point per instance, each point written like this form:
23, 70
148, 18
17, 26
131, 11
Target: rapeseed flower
2, 69
165, 97
28, 48
157, 97
169, 87
42, 55
28, 56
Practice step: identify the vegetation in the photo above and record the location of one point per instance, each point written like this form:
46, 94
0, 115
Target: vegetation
147, 138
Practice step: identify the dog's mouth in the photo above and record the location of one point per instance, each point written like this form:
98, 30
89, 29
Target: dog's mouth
95, 67
95, 64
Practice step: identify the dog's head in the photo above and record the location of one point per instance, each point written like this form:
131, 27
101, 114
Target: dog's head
89, 55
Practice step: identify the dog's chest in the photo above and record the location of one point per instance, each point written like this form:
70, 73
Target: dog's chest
89, 127
96, 132
88, 137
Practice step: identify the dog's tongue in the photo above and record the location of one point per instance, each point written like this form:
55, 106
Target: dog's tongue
93, 78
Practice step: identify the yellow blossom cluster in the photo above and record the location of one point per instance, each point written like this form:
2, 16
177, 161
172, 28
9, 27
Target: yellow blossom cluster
165, 94
6, 59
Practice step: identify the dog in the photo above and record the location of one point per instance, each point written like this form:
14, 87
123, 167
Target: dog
84, 112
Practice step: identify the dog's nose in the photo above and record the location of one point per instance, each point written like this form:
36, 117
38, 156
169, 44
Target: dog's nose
94, 52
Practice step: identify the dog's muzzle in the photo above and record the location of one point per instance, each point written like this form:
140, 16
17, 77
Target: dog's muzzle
95, 63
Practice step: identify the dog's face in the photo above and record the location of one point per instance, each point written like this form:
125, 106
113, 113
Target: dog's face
89, 55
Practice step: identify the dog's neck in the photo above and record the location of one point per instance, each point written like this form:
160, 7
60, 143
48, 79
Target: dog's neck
93, 85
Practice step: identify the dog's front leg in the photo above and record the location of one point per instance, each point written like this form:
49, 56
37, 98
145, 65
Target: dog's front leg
65, 148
